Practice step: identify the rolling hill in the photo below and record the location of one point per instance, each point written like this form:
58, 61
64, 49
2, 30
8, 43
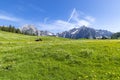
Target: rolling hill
22, 58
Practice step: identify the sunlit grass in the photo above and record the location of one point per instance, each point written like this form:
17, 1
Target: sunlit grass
22, 58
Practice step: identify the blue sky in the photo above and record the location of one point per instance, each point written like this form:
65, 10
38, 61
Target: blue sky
61, 15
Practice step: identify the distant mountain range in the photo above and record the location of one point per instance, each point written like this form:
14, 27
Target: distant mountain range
85, 32
31, 30
75, 33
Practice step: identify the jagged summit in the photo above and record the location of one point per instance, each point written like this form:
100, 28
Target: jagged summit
85, 32
32, 30
75, 33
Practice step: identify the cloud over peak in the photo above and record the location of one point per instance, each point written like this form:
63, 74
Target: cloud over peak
75, 20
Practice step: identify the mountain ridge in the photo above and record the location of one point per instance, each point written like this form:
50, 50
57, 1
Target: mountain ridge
85, 32
75, 33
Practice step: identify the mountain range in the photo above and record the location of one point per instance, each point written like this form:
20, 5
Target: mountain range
85, 32
30, 29
75, 33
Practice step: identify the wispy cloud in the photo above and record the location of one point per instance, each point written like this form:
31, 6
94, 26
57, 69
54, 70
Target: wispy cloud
9, 18
79, 19
56, 26
72, 14
75, 20
90, 18
14, 19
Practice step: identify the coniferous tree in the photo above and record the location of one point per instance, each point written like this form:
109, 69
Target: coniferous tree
115, 35
10, 28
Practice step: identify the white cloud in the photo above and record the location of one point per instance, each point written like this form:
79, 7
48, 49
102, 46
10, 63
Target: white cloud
56, 26
79, 19
73, 14
13, 19
83, 22
90, 18
9, 18
75, 20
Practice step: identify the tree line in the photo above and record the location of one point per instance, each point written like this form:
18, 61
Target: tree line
116, 36
10, 28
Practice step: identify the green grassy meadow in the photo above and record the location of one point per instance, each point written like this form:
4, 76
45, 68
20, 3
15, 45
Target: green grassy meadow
22, 58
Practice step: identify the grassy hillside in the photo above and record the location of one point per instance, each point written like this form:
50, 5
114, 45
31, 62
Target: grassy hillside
21, 58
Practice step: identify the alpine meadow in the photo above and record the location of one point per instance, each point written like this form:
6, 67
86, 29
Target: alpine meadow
60, 40
22, 58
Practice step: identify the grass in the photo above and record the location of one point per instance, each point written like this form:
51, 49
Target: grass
21, 58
